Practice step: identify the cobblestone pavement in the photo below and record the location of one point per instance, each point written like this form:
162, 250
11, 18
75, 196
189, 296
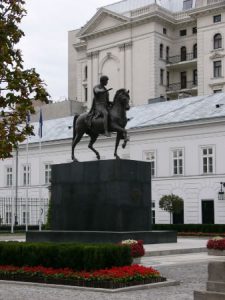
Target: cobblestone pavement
190, 269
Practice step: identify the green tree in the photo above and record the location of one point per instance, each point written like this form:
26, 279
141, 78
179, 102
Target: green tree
172, 204
18, 87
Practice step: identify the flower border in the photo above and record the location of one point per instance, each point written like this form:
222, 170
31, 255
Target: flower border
116, 277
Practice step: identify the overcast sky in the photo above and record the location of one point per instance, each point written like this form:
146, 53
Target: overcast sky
46, 27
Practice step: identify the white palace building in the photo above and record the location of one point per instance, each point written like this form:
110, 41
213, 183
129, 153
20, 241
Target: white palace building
160, 50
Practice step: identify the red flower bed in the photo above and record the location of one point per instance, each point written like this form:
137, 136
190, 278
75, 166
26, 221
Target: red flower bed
108, 278
218, 244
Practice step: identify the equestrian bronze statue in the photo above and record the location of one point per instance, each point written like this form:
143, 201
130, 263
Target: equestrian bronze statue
94, 122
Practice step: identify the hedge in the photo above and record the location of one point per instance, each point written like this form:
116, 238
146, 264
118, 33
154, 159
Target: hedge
17, 228
68, 255
207, 228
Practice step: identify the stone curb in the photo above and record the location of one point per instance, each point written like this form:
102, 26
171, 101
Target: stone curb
169, 282
174, 251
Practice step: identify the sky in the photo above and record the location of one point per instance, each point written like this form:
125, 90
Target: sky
44, 46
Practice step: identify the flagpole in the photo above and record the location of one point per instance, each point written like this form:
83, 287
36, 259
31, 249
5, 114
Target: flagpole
40, 190
40, 186
27, 155
13, 193
26, 209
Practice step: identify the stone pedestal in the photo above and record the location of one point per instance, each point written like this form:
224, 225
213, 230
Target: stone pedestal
101, 201
215, 284
109, 195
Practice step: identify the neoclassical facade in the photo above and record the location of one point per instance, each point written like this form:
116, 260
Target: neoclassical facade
155, 48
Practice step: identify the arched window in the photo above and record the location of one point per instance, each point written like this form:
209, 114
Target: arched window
217, 41
183, 53
195, 53
167, 53
161, 51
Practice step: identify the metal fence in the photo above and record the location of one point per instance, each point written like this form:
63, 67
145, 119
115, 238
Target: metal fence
34, 209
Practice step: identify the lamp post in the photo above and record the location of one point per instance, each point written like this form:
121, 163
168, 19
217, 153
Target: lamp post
221, 195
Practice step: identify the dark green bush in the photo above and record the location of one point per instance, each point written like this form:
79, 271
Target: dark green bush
17, 228
207, 228
72, 255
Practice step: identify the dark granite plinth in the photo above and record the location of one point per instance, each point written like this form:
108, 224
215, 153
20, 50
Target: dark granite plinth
101, 201
149, 237
109, 195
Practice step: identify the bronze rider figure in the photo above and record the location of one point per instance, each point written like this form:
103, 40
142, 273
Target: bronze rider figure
101, 102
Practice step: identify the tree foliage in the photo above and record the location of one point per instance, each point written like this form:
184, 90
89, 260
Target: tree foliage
171, 203
18, 87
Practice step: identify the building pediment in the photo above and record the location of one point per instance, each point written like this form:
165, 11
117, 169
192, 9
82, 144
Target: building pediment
102, 20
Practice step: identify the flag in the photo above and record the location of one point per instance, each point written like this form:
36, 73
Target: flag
40, 124
28, 118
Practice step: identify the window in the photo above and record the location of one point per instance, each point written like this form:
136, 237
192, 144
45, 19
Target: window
151, 157
8, 217
187, 4
194, 30
217, 69
183, 32
217, 91
195, 77
183, 80
216, 18
26, 175
48, 173
153, 212
161, 51
167, 53
183, 53
9, 176
217, 41
167, 79
161, 76
207, 160
85, 94
178, 161
85, 73
195, 51
25, 216
164, 31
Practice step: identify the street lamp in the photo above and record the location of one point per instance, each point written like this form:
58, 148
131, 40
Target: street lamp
221, 195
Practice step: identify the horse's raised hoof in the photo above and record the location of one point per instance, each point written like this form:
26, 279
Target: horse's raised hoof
98, 157
124, 145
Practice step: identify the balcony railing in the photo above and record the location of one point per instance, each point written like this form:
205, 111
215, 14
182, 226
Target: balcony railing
181, 58
174, 87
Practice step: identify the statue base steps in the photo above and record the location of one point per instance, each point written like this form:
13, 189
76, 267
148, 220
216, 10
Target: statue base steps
149, 237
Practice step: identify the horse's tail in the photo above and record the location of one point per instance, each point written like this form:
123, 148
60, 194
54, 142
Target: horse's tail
74, 124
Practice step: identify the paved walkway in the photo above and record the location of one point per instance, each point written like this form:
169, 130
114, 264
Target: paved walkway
190, 269
183, 245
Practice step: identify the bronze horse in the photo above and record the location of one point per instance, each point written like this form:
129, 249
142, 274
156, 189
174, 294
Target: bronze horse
117, 123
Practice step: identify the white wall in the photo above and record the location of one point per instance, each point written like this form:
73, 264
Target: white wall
192, 186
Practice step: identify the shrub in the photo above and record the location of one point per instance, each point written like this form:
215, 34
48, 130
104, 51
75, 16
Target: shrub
218, 244
172, 204
136, 247
204, 228
68, 255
